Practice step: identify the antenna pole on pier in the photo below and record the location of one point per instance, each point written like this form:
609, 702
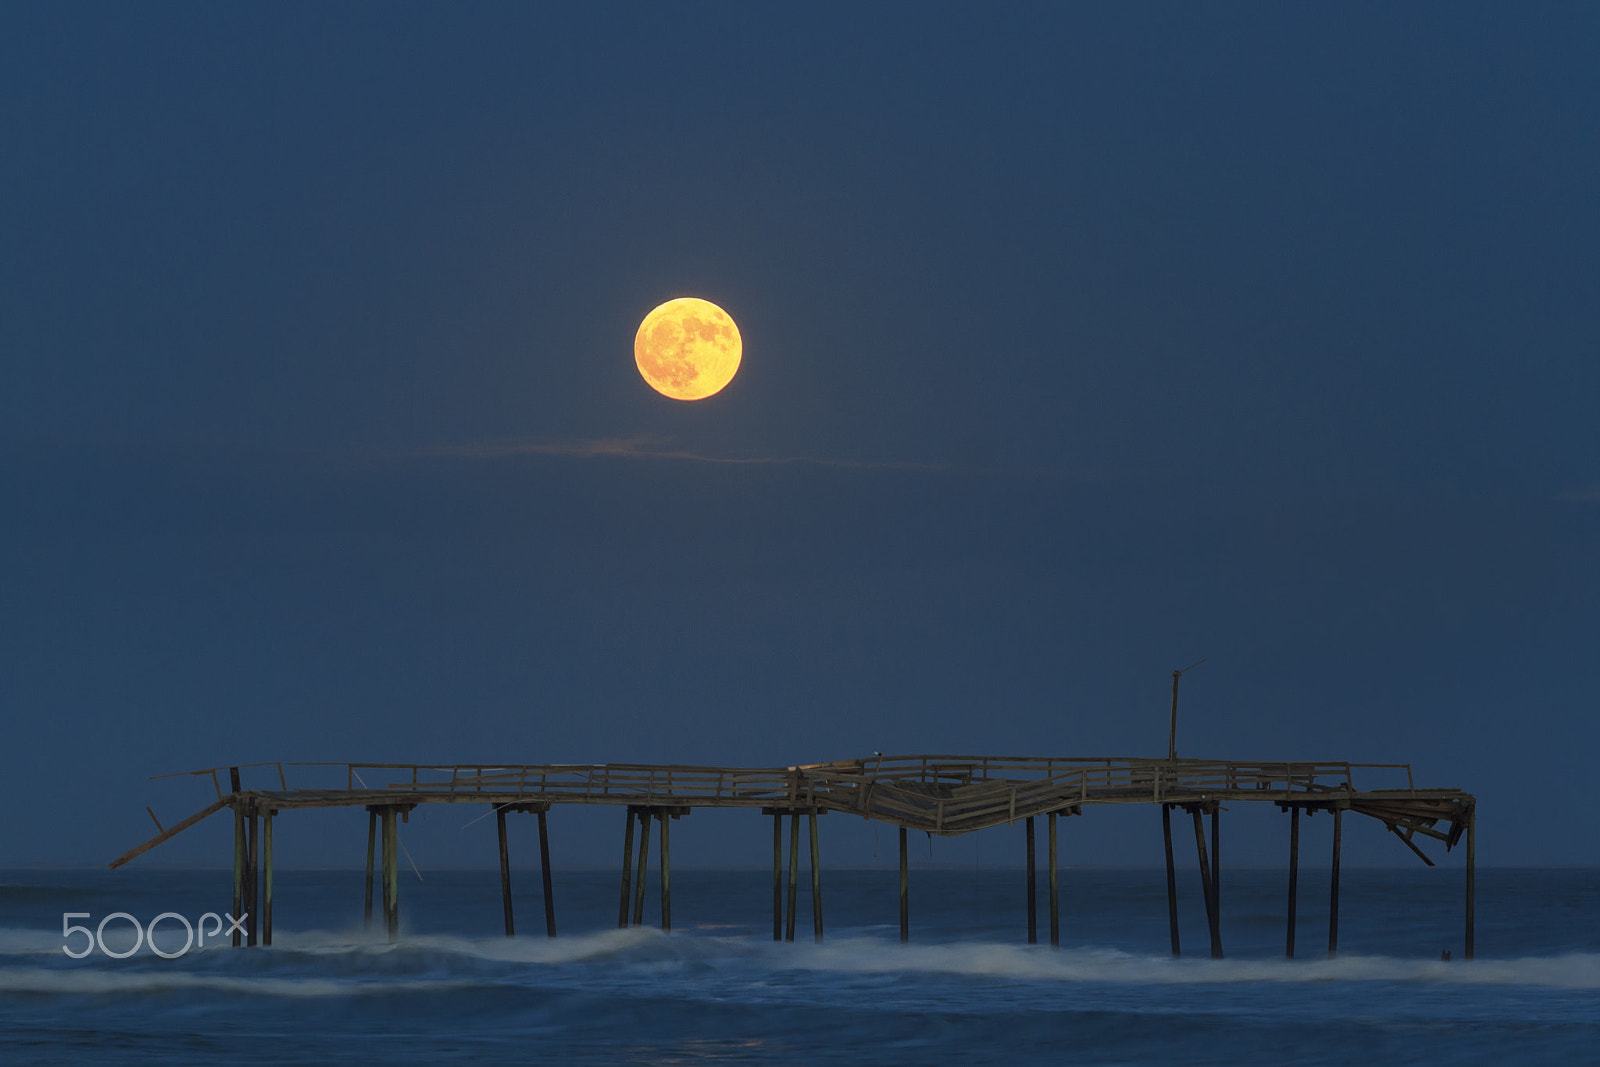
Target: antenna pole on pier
1172, 733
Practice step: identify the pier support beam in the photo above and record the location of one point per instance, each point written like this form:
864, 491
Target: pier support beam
1033, 886
238, 851
1172, 879
794, 874
666, 870
644, 861
266, 878
505, 871
905, 891
1294, 876
544, 870
1472, 877
816, 878
627, 871
391, 871
372, 838
777, 875
1055, 887
1208, 883
1333, 885
251, 884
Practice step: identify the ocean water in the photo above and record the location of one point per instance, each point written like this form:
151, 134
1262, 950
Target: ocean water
717, 989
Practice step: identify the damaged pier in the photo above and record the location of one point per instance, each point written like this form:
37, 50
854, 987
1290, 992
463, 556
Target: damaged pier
943, 795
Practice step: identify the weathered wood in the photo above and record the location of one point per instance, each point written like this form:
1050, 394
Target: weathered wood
644, 862
1055, 887
794, 875
1172, 878
505, 872
777, 877
372, 834
1294, 876
1216, 859
391, 872
1033, 887
816, 879
666, 871
544, 870
266, 879
251, 885
1333, 885
905, 890
238, 868
1472, 879
627, 870
1207, 884
166, 835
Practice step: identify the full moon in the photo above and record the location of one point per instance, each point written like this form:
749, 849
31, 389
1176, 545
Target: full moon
687, 348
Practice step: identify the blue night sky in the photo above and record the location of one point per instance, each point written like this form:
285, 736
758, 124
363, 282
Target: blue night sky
1081, 342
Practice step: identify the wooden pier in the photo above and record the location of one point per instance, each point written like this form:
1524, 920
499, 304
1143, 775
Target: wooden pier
943, 795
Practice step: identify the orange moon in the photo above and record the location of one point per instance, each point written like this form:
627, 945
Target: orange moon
688, 348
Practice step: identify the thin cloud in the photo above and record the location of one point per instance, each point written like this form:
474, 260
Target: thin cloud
650, 447
1587, 495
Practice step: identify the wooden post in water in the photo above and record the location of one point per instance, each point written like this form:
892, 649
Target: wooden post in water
251, 885
1055, 888
777, 876
627, 871
1294, 875
1033, 888
666, 870
1333, 886
1207, 883
905, 891
644, 862
372, 837
505, 870
266, 878
544, 869
1172, 878
816, 878
238, 851
1216, 860
1472, 875
391, 871
794, 874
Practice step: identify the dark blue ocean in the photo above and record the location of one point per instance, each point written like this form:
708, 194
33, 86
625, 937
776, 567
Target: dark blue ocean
968, 989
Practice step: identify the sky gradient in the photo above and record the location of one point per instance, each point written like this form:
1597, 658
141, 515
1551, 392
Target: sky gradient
1081, 342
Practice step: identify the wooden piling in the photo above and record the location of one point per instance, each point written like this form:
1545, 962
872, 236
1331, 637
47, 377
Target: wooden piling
644, 862
794, 874
1333, 885
666, 870
372, 837
544, 870
251, 885
1172, 878
777, 875
1055, 888
816, 879
1472, 877
905, 891
1294, 875
505, 871
1216, 860
266, 878
627, 870
1033, 889
238, 866
1207, 884
391, 871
